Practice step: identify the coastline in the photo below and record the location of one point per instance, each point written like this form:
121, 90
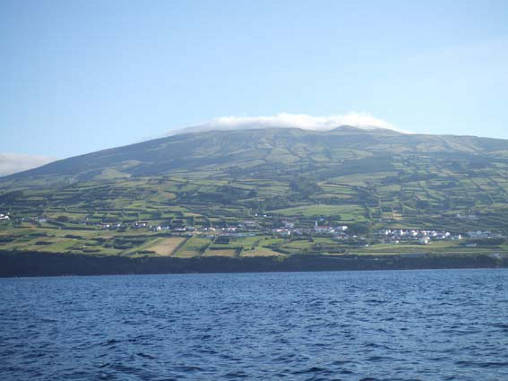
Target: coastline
17, 264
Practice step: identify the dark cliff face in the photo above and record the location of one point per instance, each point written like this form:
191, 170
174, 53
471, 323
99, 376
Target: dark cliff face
38, 264
254, 152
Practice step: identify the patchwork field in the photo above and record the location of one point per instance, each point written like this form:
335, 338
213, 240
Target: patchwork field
193, 247
220, 253
166, 246
261, 252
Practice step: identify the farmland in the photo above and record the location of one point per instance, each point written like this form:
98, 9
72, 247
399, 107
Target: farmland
274, 197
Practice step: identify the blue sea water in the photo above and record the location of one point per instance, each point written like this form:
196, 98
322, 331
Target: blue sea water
376, 325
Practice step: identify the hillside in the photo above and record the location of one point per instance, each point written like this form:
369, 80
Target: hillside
269, 153
266, 192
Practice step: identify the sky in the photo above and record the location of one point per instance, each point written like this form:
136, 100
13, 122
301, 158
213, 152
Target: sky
80, 76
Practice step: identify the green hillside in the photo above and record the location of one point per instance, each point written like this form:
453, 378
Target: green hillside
270, 153
250, 185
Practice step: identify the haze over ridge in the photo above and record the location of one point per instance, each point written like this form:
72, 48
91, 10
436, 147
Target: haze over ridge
290, 120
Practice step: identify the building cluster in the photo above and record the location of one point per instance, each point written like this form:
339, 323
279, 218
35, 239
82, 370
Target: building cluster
483, 234
423, 237
30, 220
284, 228
289, 229
341, 229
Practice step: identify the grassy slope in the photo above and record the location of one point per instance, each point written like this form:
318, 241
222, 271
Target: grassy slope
382, 179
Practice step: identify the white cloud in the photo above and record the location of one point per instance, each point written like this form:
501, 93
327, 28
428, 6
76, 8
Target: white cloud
286, 120
13, 162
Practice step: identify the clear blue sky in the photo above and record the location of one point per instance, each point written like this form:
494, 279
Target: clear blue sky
78, 76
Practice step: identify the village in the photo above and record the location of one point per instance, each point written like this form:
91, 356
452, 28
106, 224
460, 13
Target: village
268, 225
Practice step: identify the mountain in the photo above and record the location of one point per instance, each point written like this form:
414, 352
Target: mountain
272, 193
377, 175
274, 152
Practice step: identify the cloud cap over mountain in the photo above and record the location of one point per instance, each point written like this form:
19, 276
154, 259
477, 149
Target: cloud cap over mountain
287, 120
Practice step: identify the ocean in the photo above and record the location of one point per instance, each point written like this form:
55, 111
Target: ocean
370, 325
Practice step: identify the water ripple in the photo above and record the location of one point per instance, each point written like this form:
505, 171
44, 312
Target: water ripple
384, 325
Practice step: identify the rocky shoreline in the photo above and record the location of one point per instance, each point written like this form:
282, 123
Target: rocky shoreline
16, 264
